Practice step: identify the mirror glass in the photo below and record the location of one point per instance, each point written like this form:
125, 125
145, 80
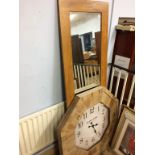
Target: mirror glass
86, 49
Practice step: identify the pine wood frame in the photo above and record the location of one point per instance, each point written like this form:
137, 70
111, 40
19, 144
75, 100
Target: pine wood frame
65, 7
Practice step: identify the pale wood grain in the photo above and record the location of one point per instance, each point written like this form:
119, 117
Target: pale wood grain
81, 103
65, 7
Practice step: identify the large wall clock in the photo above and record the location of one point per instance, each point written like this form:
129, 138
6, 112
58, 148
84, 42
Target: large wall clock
88, 124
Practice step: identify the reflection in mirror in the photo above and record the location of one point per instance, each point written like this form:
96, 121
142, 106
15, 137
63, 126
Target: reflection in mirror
86, 49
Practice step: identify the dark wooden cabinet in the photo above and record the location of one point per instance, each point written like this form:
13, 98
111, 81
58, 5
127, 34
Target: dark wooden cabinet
125, 46
98, 46
77, 53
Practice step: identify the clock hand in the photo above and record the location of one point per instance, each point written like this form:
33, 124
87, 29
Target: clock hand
94, 130
93, 126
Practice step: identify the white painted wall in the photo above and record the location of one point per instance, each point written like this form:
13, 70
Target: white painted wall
40, 69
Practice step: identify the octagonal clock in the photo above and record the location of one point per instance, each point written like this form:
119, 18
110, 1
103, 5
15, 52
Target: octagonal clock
88, 124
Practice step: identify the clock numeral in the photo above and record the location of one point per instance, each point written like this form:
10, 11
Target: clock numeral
85, 115
103, 111
104, 118
86, 142
98, 108
91, 110
80, 124
81, 140
79, 133
93, 139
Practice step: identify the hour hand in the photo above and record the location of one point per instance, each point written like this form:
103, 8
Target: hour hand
91, 125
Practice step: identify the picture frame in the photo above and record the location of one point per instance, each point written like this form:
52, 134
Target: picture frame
124, 139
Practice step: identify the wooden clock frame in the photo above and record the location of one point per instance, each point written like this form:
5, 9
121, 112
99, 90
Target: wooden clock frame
81, 102
65, 7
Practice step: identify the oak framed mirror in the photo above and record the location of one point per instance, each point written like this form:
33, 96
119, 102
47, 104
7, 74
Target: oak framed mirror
84, 39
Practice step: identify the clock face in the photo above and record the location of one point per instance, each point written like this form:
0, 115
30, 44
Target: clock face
91, 126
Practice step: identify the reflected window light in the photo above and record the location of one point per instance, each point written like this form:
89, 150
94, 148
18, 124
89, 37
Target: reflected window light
72, 16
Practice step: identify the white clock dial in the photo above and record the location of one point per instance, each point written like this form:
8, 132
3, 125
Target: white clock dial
91, 126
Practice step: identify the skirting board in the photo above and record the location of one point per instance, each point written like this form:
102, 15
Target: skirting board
49, 150
38, 130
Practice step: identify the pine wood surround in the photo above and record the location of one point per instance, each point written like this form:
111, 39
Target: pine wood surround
65, 7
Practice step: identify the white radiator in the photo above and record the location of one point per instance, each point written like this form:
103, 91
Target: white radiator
39, 129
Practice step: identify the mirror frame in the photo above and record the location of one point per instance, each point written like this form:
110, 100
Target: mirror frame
65, 7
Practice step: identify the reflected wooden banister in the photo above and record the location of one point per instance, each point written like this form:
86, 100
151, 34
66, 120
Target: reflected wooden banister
87, 76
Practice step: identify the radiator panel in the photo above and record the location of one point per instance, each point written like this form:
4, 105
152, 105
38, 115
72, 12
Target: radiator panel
39, 129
